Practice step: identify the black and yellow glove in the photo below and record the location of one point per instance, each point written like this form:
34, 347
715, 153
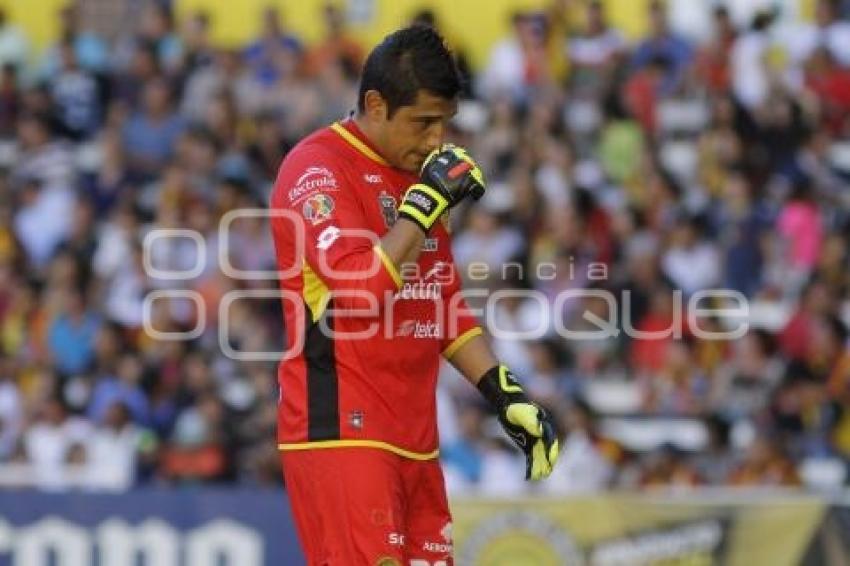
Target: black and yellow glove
448, 176
528, 424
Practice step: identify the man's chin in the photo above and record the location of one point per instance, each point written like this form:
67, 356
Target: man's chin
413, 165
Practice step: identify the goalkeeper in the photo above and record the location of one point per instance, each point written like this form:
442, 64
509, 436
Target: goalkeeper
360, 203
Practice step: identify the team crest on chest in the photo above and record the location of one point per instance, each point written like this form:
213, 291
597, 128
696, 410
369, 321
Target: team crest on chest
389, 208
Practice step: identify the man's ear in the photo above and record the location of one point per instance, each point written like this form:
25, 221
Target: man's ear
375, 106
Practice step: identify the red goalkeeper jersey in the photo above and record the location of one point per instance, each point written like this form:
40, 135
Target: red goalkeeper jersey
364, 337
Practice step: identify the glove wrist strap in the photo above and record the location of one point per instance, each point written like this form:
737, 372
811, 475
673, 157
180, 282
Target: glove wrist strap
499, 386
423, 205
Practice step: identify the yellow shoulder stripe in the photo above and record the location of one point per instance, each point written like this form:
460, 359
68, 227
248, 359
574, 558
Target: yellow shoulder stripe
325, 444
358, 145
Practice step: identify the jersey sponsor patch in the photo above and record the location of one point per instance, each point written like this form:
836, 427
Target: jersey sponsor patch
419, 329
421, 291
437, 547
312, 180
318, 208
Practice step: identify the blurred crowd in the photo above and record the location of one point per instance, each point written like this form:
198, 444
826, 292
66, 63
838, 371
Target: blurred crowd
626, 178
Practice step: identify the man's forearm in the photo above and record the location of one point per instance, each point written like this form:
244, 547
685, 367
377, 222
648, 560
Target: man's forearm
403, 243
473, 359
528, 424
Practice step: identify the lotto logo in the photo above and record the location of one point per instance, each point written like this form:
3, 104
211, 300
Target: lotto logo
328, 236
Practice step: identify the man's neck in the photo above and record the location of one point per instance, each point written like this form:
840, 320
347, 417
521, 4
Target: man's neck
361, 123
367, 131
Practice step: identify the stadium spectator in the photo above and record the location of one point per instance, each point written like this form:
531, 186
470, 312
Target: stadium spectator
198, 49
89, 50
750, 74
72, 335
712, 65
828, 32
112, 451
43, 181
11, 413
156, 30
337, 47
14, 45
10, 100
55, 445
764, 464
151, 134
276, 53
76, 95
595, 55
588, 461
743, 386
519, 65
663, 44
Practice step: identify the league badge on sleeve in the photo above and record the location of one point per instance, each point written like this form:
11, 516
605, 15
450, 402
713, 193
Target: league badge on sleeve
318, 208
389, 208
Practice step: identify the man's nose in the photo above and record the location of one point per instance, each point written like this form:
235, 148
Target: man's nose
435, 135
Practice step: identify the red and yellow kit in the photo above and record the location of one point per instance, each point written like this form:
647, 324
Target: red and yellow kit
357, 417
372, 380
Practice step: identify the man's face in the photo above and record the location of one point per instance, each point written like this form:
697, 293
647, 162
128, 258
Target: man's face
414, 131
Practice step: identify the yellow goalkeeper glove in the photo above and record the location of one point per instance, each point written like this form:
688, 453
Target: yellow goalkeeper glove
528, 424
448, 176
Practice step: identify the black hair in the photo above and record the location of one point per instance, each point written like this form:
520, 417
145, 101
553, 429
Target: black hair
766, 341
720, 11
41, 118
838, 328
202, 17
763, 19
164, 10
425, 17
802, 189
719, 429
408, 60
661, 62
657, 6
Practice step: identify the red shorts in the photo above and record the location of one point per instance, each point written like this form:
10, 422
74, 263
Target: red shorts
367, 506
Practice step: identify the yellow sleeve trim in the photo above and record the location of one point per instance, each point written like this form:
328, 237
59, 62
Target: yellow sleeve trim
325, 444
461, 341
388, 265
358, 145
